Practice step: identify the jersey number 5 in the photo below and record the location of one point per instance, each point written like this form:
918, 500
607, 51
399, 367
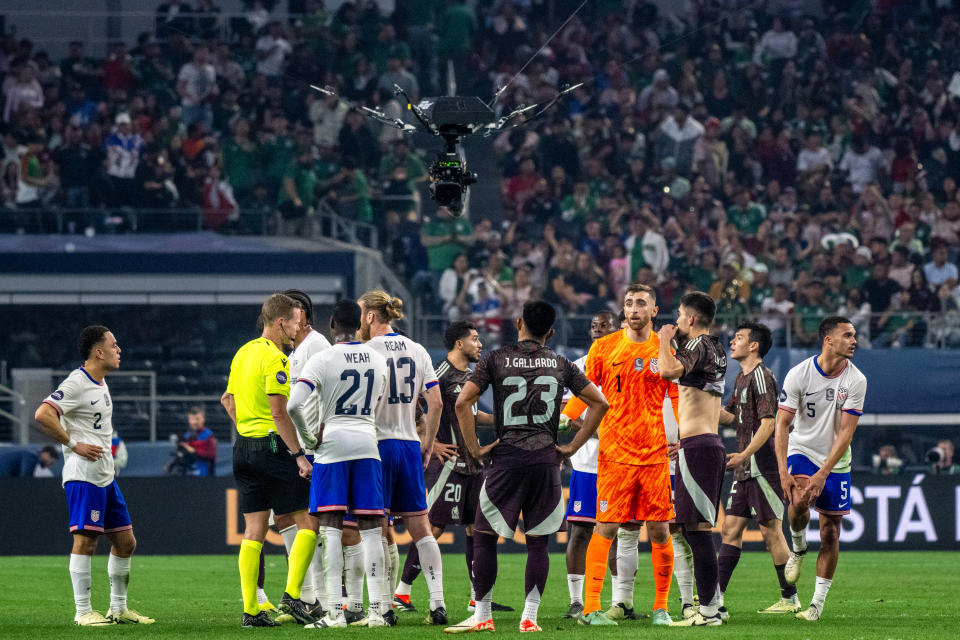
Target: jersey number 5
354, 376
548, 397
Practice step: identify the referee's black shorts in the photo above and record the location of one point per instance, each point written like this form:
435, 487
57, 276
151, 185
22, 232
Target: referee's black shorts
267, 480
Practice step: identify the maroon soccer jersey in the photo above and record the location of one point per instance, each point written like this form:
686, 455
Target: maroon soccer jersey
704, 364
451, 383
528, 380
754, 398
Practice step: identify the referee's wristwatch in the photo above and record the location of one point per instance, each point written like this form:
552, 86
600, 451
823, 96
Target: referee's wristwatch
299, 453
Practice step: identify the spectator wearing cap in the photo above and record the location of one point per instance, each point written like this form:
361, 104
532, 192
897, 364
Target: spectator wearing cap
676, 137
939, 271
658, 96
124, 148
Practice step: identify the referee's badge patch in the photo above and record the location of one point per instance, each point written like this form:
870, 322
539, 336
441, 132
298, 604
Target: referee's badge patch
603, 505
576, 506
281, 377
57, 395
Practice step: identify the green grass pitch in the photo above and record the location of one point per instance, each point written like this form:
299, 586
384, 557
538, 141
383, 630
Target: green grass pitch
886, 595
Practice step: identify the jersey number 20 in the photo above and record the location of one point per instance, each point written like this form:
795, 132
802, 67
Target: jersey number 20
354, 376
548, 397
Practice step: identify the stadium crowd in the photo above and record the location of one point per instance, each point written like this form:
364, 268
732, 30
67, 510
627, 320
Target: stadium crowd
791, 165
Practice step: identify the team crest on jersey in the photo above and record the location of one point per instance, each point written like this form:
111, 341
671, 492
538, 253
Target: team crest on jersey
455, 513
743, 396
638, 364
106, 399
94, 516
603, 505
841, 394
57, 395
654, 365
281, 377
576, 506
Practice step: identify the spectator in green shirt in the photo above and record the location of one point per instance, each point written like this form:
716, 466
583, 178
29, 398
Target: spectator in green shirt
279, 154
859, 272
353, 192
401, 157
746, 215
240, 160
297, 196
809, 313
456, 27
444, 236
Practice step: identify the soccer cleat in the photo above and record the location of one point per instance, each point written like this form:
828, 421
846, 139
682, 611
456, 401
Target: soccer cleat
812, 613
352, 616
93, 619
494, 606
527, 626
471, 625
723, 613
296, 608
783, 605
699, 620
689, 610
437, 617
389, 619
620, 611
128, 616
327, 622
403, 605
597, 619
374, 619
262, 619
661, 618
316, 610
576, 608
791, 572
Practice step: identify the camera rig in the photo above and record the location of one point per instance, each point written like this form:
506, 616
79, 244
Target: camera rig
452, 118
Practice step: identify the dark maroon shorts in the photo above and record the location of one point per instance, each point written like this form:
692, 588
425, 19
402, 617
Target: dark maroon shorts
534, 490
452, 497
700, 468
760, 498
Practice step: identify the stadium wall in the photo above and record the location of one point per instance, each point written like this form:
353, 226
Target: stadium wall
200, 516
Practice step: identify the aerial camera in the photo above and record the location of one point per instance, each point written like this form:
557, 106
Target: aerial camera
452, 118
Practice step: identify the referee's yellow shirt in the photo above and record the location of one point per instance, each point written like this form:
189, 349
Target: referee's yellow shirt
258, 369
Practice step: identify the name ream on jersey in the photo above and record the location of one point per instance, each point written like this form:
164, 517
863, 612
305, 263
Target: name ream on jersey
356, 358
395, 345
531, 363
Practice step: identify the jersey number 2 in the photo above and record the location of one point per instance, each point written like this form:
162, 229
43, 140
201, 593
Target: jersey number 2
354, 376
548, 397
96, 421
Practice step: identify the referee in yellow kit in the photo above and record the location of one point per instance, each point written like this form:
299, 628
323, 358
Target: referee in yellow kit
270, 468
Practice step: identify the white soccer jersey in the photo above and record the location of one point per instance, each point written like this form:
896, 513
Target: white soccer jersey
817, 400
350, 378
585, 459
410, 373
313, 344
86, 413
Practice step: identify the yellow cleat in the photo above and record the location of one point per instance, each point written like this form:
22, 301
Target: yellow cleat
812, 614
92, 619
128, 616
784, 605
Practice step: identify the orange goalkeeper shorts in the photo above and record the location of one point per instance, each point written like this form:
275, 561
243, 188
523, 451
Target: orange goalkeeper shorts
628, 492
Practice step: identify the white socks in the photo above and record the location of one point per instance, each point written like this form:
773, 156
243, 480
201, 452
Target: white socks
820, 592
432, 567
315, 576
530, 606
403, 589
375, 567
118, 569
484, 607
799, 539
394, 556
261, 596
306, 590
575, 586
80, 576
333, 563
353, 578
627, 561
683, 567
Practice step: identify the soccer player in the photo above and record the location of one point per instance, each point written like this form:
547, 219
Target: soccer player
269, 465
306, 343
403, 453
79, 415
453, 477
823, 398
528, 381
698, 367
756, 488
633, 471
349, 379
582, 499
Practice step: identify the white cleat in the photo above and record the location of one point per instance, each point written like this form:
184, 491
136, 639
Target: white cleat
784, 605
791, 572
812, 614
699, 620
128, 616
327, 622
471, 625
689, 610
92, 619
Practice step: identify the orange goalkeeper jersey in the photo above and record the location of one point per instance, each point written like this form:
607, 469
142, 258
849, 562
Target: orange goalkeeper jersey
632, 430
